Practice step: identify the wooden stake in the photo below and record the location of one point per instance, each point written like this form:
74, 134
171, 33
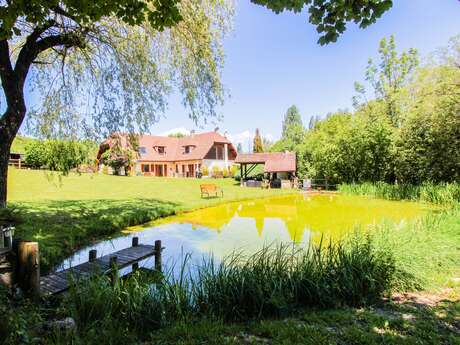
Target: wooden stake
29, 268
135, 242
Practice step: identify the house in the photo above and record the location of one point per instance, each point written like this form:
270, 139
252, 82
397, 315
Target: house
180, 157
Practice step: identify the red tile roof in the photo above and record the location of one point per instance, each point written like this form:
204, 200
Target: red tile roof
273, 161
174, 148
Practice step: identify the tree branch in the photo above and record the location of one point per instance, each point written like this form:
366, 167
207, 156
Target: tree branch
32, 49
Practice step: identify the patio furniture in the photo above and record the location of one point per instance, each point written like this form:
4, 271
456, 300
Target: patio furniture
211, 190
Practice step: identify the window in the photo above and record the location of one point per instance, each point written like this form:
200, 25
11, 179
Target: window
145, 168
142, 150
160, 149
188, 149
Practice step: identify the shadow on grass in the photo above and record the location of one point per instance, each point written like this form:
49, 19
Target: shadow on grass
61, 227
408, 322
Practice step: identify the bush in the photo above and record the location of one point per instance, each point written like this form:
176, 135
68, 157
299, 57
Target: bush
215, 171
57, 155
234, 170
225, 173
204, 170
36, 154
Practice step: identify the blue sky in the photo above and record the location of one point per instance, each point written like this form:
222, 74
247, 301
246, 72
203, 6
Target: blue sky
273, 61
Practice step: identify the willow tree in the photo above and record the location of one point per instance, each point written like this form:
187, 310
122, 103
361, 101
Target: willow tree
98, 66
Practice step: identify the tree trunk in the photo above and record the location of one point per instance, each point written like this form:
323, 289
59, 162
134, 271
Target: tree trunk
5, 147
10, 122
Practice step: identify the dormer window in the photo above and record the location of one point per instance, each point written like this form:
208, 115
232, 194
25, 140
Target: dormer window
142, 150
188, 149
160, 150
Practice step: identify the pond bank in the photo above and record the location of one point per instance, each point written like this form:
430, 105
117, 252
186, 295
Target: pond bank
65, 213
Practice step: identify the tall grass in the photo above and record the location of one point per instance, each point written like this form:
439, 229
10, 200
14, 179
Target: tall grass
273, 282
444, 193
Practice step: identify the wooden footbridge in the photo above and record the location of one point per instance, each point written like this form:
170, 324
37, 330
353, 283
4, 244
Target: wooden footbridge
27, 264
58, 282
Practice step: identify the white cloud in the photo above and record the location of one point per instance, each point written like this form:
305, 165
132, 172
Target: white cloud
246, 138
178, 130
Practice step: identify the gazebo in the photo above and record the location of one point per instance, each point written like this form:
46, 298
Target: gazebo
280, 166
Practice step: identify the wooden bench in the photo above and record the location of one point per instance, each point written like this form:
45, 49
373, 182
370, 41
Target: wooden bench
211, 189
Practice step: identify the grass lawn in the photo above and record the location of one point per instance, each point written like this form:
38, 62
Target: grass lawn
65, 213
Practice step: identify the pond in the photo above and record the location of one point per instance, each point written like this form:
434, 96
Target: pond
249, 225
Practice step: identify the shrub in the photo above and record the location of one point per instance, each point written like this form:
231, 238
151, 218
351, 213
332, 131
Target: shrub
57, 155
234, 170
35, 154
225, 172
215, 171
204, 170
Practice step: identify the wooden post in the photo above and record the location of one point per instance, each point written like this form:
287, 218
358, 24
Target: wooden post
92, 255
135, 243
29, 268
158, 250
114, 270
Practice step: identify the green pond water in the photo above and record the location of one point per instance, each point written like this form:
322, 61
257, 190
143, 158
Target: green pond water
250, 225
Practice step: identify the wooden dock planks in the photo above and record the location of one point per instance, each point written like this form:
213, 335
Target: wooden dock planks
58, 282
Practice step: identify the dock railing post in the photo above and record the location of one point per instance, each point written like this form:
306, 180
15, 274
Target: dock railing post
158, 250
92, 255
29, 268
135, 243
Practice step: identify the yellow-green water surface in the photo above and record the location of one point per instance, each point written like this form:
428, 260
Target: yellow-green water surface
295, 217
249, 225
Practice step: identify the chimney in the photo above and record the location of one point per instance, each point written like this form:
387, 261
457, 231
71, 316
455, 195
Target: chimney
216, 129
192, 132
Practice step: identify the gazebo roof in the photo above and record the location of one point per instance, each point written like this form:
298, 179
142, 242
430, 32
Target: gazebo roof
273, 161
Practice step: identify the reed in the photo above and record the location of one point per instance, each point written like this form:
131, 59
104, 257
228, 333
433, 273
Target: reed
444, 193
275, 281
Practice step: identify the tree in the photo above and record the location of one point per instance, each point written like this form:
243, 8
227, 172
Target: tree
291, 118
331, 16
257, 145
389, 77
118, 58
119, 152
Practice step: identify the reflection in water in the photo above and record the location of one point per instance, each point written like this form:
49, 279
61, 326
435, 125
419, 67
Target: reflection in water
249, 225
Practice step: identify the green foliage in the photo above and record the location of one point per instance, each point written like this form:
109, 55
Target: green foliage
58, 155
389, 78
216, 171
234, 169
257, 145
18, 319
225, 172
274, 281
331, 17
36, 155
291, 118
204, 170
445, 193
176, 135
20, 143
160, 14
410, 133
